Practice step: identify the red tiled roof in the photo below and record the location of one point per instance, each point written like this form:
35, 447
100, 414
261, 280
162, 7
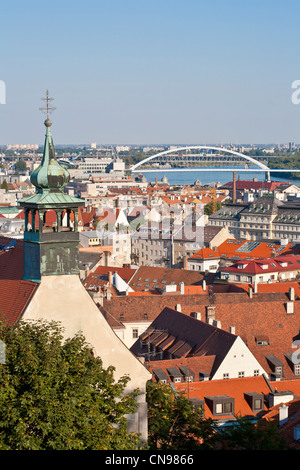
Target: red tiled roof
266, 265
15, 293
233, 388
100, 276
147, 277
196, 365
206, 253
256, 185
85, 218
230, 249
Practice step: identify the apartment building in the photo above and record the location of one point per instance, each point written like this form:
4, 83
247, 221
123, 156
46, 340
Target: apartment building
268, 218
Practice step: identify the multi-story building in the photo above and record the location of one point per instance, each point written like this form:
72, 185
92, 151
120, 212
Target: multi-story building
268, 218
95, 165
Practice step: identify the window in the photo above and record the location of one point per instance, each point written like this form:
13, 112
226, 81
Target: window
135, 333
226, 376
241, 374
258, 404
220, 404
227, 407
219, 408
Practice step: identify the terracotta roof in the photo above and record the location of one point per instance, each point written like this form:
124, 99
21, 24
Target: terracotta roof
195, 366
85, 218
100, 276
147, 277
255, 185
253, 319
243, 249
265, 265
206, 253
233, 388
15, 293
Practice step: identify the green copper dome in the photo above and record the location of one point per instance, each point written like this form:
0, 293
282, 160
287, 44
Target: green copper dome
49, 175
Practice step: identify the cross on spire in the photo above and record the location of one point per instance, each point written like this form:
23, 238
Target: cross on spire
48, 109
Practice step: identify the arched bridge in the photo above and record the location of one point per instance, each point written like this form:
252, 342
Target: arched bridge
200, 147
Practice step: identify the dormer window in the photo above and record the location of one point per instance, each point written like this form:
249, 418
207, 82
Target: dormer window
255, 401
275, 365
220, 405
262, 340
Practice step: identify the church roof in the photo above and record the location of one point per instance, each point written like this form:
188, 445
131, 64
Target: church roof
15, 293
52, 198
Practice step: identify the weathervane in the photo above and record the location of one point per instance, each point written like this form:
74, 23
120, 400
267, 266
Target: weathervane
48, 109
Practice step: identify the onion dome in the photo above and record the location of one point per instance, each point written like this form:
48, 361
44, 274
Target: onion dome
49, 175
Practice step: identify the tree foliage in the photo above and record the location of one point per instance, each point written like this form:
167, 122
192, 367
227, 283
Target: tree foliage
4, 185
55, 395
174, 423
209, 207
20, 165
247, 435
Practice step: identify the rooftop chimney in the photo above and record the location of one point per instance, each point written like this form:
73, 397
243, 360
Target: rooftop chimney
292, 293
289, 308
283, 414
210, 312
196, 315
234, 189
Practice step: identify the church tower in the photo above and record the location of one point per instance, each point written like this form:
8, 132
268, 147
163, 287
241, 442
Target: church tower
51, 254
51, 238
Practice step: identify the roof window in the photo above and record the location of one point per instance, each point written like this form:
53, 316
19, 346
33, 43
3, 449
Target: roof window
220, 405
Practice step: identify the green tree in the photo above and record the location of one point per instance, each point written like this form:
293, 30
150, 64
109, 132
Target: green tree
209, 207
4, 185
174, 423
55, 395
247, 435
20, 165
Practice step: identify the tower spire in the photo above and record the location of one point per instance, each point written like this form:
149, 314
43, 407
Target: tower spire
51, 238
49, 175
47, 108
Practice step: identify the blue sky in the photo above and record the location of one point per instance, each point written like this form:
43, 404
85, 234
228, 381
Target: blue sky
151, 72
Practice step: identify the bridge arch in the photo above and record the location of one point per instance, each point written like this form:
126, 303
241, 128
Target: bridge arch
180, 149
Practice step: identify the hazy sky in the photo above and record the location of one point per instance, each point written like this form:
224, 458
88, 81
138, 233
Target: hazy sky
151, 72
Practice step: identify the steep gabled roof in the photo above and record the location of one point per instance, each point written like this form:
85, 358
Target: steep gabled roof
15, 293
190, 337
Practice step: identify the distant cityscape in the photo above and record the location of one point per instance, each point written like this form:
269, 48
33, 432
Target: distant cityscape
169, 265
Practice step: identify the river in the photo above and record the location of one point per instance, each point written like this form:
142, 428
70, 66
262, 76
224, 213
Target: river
208, 177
